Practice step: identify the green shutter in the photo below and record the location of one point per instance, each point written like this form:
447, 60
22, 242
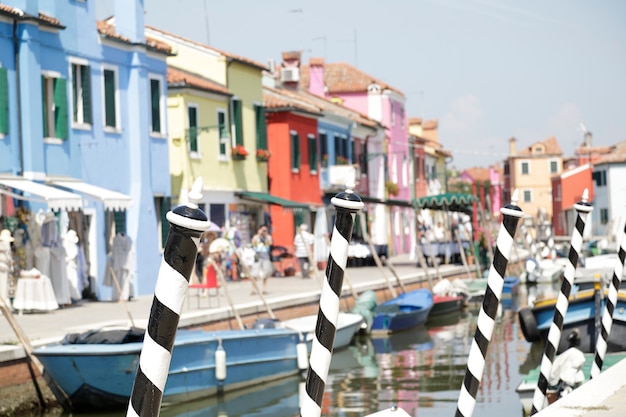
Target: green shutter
75, 100
60, 108
119, 219
192, 115
85, 81
44, 106
4, 101
155, 102
109, 98
312, 153
295, 151
261, 127
237, 117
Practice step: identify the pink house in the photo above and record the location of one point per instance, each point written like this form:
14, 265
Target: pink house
392, 221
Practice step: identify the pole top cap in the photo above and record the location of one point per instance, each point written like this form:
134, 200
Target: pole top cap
348, 199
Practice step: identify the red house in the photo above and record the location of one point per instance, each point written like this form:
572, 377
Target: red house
567, 189
293, 169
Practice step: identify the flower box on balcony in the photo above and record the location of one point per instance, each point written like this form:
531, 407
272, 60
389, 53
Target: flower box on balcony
239, 153
263, 155
392, 188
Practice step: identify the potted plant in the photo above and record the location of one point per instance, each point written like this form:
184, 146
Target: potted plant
239, 152
341, 160
392, 188
262, 155
324, 160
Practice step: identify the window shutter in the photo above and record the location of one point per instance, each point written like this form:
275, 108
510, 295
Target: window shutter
295, 151
193, 128
155, 101
85, 80
237, 117
44, 106
60, 108
119, 218
109, 98
312, 153
4, 101
261, 127
221, 123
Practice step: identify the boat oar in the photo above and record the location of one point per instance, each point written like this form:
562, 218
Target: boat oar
220, 276
379, 264
611, 302
187, 223
347, 204
254, 284
583, 208
119, 290
486, 317
393, 271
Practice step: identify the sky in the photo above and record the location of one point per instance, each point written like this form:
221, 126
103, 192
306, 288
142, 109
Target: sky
488, 70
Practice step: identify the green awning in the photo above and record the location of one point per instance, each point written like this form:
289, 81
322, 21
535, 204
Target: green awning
259, 197
447, 201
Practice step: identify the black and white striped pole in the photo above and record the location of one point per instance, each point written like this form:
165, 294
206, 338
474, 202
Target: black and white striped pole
347, 204
511, 214
583, 208
607, 316
186, 225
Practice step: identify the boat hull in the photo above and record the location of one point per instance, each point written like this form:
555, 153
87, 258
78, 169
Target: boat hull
582, 316
347, 326
101, 376
403, 312
446, 304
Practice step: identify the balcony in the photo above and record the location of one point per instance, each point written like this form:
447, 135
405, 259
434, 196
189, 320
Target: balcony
337, 176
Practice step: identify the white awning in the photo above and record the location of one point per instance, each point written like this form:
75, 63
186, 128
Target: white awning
55, 198
112, 200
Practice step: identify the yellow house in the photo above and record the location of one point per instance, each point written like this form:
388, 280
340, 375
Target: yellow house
217, 125
530, 171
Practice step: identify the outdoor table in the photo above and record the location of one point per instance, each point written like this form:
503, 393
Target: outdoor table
34, 294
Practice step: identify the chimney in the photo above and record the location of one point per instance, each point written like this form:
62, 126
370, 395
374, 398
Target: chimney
317, 85
512, 146
588, 139
290, 70
129, 20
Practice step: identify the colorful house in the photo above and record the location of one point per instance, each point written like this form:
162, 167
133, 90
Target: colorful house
609, 200
389, 159
219, 133
96, 140
567, 190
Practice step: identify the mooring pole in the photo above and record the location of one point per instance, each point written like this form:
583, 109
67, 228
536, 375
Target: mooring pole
179, 257
511, 214
607, 317
583, 208
347, 205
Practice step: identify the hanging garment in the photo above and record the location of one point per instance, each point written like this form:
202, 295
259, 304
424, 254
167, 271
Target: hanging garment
6, 268
121, 268
70, 244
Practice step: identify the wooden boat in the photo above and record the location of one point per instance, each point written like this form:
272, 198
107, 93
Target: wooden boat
582, 314
446, 304
408, 310
97, 370
526, 388
478, 286
347, 326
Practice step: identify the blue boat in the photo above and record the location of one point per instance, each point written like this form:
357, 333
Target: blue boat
100, 375
408, 310
581, 314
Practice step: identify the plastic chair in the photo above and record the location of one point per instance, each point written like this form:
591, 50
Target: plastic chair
210, 285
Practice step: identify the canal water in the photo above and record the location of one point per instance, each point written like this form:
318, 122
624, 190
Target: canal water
420, 370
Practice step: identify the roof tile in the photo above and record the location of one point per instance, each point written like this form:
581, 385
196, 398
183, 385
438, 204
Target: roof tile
180, 78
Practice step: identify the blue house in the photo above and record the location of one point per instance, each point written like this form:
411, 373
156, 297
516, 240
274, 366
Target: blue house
83, 129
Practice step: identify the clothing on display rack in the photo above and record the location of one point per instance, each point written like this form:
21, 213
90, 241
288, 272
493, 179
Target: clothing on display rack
50, 259
120, 268
6, 262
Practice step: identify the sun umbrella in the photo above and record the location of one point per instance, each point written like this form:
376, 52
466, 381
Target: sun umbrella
219, 245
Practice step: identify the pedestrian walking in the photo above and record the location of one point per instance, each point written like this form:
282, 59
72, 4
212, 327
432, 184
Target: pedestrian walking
303, 243
262, 268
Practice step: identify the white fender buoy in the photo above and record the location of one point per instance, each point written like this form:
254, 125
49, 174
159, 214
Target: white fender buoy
220, 362
302, 353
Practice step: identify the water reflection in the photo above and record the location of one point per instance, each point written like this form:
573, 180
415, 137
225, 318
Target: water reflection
420, 370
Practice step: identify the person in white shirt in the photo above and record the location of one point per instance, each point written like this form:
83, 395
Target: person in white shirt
303, 242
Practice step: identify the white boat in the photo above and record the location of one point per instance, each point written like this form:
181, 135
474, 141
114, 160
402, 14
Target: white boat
347, 325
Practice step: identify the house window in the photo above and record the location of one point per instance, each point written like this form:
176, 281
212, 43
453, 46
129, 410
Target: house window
527, 196
157, 105
323, 149
554, 167
81, 94
161, 206
237, 122
312, 141
4, 102
222, 132
599, 177
558, 192
295, 151
363, 158
604, 216
393, 112
525, 167
54, 97
111, 99
192, 126
352, 151
261, 127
